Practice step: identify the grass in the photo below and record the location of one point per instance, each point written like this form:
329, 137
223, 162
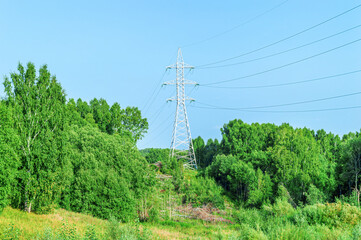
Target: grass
16, 224
277, 221
191, 229
30, 225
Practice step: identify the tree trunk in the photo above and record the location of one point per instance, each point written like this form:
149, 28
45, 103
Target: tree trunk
27, 207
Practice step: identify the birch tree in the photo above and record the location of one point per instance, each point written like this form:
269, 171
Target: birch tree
38, 103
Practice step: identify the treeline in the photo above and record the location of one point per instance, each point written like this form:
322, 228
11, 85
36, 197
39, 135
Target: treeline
82, 156
254, 162
73, 154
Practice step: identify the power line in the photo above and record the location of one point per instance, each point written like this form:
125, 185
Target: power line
235, 27
282, 40
159, 133
151, 99
158, 86
155, 116
285, 111
288, 104
282, 52
163, 122
157, 113
287, 83
283, 66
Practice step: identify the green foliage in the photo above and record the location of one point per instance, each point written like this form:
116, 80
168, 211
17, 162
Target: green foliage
205, 153
44, 161
83, 157
9, 158
352, 199
202, 191
281, 221
108, 173
38, 107
338, 215
280, 208
153, 155
314, 195
249, 233
198, 145
133, 123
68, 232
113, 120
350, 162
261, 156
252, 217
113, 229
101, 113
233, 175
131, 231
11, 233
90, 233
260, 190
356, 232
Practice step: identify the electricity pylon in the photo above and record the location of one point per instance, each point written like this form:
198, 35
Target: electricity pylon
182, 145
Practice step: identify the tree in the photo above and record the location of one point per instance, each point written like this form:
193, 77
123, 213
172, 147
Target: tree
38, 103
83, 108
295, 158
157, 155
108, 176
116, 118
9, 158
260, 190
101, 113
210, 151
198, 144
351, 162
132, 122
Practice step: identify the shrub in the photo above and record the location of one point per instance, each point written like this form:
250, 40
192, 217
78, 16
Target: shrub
356, 232
249, 233
252, 217
314, 195
280, 208
332, 214
202, 191
107, 176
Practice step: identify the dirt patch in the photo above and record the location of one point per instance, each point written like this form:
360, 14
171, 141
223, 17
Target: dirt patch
205, 213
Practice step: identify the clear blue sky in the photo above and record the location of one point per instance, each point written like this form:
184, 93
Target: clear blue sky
118, 50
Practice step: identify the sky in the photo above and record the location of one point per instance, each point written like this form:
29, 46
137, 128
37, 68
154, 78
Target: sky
119, 50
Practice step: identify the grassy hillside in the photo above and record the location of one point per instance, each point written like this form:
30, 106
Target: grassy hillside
277, 221
62, 224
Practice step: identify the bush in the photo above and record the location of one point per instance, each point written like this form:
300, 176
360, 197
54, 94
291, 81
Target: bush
108, 174
251, 217
332, 214
280, 208
202, 191
249, 233
356, 232
314, 195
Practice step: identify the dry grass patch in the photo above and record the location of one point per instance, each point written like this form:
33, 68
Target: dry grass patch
31, 224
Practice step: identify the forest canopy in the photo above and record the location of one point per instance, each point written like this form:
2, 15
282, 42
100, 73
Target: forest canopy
253, 161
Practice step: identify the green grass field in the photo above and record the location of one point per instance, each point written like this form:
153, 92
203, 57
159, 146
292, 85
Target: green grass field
62, 224
277, 221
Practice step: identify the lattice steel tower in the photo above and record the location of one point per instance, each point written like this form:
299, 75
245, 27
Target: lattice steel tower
182, 145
